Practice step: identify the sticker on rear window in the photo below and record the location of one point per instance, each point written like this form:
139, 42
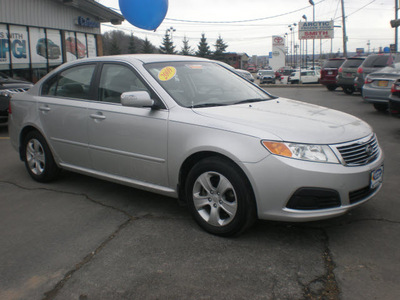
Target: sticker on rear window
167, 73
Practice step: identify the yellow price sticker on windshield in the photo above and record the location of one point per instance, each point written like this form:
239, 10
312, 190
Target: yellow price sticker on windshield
167, 73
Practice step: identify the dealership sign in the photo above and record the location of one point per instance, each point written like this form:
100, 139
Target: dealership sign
316, 30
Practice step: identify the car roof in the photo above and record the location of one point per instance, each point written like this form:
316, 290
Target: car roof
145, 58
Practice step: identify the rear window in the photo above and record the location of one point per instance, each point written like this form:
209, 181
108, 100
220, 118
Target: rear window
352, 63
333, 63
377, 61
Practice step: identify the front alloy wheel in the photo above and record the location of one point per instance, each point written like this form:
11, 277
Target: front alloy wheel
215, 199
220, 197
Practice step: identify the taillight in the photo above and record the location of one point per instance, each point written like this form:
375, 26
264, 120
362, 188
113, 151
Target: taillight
9, 107
368, 80
340, 70
360, 70
395, 88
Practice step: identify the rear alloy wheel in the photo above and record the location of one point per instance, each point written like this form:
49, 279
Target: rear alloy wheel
219, 197
38, 158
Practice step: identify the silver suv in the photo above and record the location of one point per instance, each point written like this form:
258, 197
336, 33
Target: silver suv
189, 128
373, 63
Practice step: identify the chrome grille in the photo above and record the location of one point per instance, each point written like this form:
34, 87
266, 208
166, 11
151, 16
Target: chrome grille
360, 152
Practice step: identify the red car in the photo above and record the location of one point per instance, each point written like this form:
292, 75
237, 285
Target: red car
329, 72
73, 47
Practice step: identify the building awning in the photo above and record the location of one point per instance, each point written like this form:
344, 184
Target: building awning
104, 14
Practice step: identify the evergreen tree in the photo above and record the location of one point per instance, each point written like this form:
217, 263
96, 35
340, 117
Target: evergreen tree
132, 45
186, 49
203, 49
167, 46
220, 48
147, 47
114, 48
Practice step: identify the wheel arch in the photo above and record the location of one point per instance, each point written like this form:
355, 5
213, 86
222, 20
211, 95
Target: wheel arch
23, 134
194, 158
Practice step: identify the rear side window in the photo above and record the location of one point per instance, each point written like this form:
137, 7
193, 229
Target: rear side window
71, 83
376, 61
333, 63
352, 63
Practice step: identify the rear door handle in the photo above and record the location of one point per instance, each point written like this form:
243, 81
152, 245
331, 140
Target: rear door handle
98, 116
44, 108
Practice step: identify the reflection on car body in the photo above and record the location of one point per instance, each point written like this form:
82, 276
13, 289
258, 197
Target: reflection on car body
189, 128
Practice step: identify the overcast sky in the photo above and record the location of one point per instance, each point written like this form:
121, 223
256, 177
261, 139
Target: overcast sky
367, 21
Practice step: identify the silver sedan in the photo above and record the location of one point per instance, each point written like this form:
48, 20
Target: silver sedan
376, 89
189, 128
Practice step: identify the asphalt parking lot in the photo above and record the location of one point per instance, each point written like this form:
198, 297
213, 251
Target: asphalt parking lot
84, 238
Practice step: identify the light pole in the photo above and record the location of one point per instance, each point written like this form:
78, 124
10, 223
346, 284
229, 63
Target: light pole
286, 48
313, 42
306, 41
171, 30
292, 45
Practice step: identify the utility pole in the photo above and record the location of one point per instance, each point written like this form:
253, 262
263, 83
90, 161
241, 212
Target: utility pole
396, 29
344, 31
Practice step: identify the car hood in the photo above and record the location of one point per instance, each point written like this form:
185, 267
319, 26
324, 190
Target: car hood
288, 120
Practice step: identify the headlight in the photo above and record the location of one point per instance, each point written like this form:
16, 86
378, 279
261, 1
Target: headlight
317, 153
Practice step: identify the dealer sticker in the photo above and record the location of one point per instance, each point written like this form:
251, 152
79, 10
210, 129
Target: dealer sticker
376, 177
167, 73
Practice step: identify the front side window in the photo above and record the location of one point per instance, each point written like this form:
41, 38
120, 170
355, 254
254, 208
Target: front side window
71, 83
116, 79
196, 84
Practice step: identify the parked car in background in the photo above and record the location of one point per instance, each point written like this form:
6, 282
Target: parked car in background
377, 86
347, 72
304, 76
372, 63
245, 74
329, 71
188, 128
266, 76
394, 98
252, 68
285, 73
8, 87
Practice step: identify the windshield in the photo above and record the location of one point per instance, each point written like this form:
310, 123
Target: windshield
197, 84
352, 63
334, 63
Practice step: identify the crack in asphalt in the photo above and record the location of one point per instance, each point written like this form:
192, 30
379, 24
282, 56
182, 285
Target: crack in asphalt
330, 287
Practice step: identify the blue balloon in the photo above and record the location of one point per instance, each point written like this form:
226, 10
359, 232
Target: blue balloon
145, 14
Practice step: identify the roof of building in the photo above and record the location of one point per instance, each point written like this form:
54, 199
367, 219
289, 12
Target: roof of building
103, 13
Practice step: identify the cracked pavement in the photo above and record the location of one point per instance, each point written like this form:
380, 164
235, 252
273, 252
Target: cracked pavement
84, 238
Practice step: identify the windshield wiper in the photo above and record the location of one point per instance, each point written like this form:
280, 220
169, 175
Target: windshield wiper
251, 100
209, 105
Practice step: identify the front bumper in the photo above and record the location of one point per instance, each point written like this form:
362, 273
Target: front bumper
276, 180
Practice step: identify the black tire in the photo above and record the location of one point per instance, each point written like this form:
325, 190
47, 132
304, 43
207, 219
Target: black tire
38, 158
225, 203
294, 82
348, 90
331, 87
381, 106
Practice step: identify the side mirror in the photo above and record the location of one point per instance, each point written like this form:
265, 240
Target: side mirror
136, 99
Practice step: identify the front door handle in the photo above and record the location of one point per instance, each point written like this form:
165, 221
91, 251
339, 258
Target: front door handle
98, 116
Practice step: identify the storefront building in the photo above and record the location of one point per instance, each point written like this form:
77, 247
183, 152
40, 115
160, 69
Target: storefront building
37, 36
